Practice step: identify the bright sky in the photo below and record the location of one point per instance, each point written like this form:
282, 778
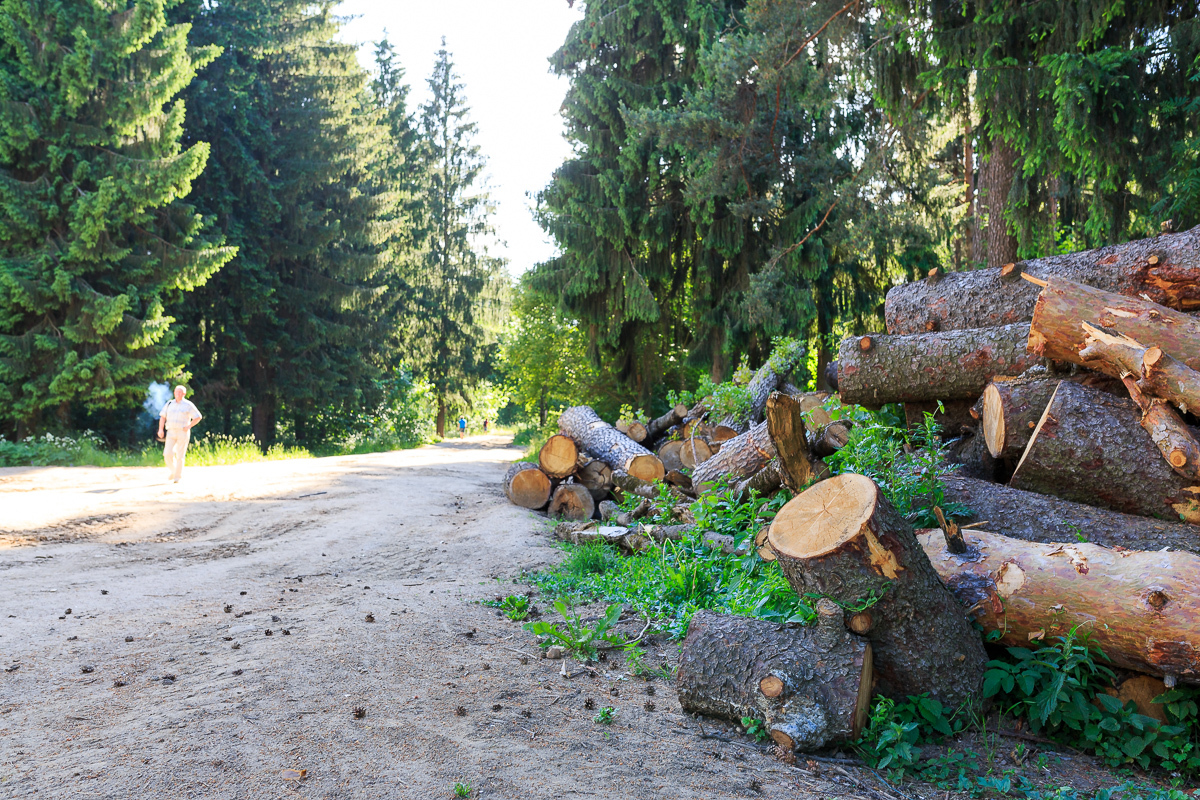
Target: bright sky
500, 49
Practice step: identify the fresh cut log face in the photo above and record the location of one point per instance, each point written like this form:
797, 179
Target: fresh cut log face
842, 540
1141, 608
527, 486
558, 456
603, 441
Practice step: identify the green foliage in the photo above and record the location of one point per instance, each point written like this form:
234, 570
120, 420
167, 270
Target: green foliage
756, 728
605, 717
88, 449
94, 239
635, 660
577, 638
462, 789
515, 606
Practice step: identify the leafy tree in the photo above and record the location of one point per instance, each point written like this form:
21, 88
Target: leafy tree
94, 239
460, 288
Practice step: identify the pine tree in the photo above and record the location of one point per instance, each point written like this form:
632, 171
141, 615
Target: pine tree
291, 328
460, 287
94, 240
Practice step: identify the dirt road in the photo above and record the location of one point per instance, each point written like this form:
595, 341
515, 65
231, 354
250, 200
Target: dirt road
163, 641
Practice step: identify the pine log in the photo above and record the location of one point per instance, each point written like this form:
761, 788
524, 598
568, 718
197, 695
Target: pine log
831, 438
669, 455
1039, 518
811, 685
969, 453
740, 457
727, 429
600, 440
657, 427
952, 416
1089, 446
1011, 409
572, 501
527, 486
986, 298
694, 451
558, 456
950, 365
1140, 608
841, 539
1174, 439
1057, 331
787, 427
596, 476
637, 432
1157, 373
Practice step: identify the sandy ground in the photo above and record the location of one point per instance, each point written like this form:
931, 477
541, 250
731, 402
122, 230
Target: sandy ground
137, 660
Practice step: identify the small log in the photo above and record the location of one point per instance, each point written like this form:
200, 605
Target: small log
948, 365
572, 501
661, 425
1089, 446
1157, 373
841, 539
632, 484
1175, 440
767, 481
669, 455
641, 537
816, 416
637, 432
952, 417
596, 476
727, 429
1057, 332
740, 457
1039, 518
983, 298
527, 486
786, 425
781, 365
810, 684
601, 440
1140, 608
558, 456
831, 438
677, 478
1011, 410
694, 451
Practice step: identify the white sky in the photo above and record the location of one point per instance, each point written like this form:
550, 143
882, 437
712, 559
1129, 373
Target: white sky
500, 50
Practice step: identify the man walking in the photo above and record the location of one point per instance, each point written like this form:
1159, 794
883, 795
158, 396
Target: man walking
462, 427
179, 416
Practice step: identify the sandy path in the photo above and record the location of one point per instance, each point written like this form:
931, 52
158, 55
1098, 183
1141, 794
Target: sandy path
310, 547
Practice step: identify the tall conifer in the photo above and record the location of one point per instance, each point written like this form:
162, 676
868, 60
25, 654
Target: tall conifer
94, 240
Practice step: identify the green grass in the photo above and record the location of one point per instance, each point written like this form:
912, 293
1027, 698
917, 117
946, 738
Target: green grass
86, 450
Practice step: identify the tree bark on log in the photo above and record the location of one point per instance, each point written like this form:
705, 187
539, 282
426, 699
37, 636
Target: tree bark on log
787, 427
810, 685
780, 366
1175, 440
639, 538
767, 481
950, 365
603, 441
1039, 518
1140, 608
986, 298
1157, 373
841, 539
669, 455
1057, 330
1011, 410
830, 439
739, 458
559, 456
1089, 446
657, 427
572, 501
527, 486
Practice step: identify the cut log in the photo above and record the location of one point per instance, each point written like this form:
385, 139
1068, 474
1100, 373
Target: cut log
948, 365
781, 366
831, 438
767, 481
810, 685
640, 538
1011, 410
1140, 608
816, 416
952, 417
841, 539
660, 426
572, 501
1057, 331
558, 456
740, 457
694, 451
727, 429
1158, 374
669, 455
1089, 447
527, 486
1175, 440
596, 476
969, 453
637, 431
787, 427
601, 440
1038, 518
983, 298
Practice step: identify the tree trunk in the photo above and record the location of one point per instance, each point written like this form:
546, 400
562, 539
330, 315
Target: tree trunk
542, 410
660, 426
787, 429
811, 685
1057, 330
727, 429
739, 458
441, 417
780, 366
527, 486
1011, 410
1038, 518
572, 501
984, 298
952, 418
559, 456
841, 539
601, 440
953, 365
596, 476
1089, 447
639, 538
262, 421
1140, 608
996, 177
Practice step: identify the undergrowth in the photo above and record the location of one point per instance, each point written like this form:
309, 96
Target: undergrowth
87, 449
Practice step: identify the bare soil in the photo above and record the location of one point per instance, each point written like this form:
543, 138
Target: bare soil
196, 640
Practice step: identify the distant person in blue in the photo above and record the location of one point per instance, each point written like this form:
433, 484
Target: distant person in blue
462, 427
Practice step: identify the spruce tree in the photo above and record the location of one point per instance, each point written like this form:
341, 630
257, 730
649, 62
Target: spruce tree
94, 240
460, 288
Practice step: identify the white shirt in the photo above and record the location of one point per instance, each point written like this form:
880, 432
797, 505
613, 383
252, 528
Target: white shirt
178, 415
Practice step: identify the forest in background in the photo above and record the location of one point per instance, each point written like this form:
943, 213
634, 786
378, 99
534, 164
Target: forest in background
220, 194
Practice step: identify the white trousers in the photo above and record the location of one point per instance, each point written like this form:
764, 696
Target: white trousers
174, 452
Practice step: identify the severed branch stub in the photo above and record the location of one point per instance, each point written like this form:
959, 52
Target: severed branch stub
955, 542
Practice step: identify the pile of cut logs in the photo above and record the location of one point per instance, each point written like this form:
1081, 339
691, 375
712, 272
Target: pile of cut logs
1069, 388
